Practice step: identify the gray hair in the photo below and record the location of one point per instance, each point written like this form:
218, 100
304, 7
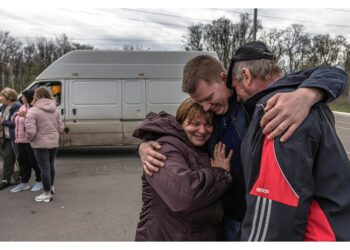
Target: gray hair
263, 69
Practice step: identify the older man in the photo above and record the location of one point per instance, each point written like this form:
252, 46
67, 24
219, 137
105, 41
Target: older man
299, 189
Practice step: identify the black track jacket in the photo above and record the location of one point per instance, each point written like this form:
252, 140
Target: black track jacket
296, 190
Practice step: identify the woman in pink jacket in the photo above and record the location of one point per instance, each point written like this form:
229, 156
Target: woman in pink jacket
25, 154
43, 125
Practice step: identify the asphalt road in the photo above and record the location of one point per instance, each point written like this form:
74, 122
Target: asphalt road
98, 197
342, 124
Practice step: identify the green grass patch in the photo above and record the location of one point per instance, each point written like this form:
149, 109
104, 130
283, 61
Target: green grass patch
340, 106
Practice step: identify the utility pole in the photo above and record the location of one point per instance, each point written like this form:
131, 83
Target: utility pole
255, 27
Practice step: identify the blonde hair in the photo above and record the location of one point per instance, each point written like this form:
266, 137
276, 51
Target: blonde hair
42, 92
9, 94
203, 67
188, 109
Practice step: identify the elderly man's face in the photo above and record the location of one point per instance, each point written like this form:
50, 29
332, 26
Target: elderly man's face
212, 97
248, 86
242, 90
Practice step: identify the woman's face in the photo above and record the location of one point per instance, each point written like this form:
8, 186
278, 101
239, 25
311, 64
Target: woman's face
198, 130
24, 99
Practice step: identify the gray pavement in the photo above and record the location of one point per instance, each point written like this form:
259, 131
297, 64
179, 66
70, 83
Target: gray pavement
98, 199
342, 124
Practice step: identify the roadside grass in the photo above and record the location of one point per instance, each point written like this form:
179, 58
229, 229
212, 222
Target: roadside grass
340, 105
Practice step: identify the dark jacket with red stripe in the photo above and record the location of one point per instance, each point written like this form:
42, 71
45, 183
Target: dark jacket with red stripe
296, 190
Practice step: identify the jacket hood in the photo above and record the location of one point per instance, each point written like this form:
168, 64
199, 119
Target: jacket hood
47, 105
156, 125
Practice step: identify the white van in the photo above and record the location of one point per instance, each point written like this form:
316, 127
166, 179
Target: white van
103, 95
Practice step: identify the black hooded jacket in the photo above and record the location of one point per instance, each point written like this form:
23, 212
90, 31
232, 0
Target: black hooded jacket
296, 190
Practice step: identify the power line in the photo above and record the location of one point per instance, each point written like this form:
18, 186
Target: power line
169, 15
287, 19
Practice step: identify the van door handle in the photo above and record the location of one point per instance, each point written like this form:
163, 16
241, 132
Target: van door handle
74, 111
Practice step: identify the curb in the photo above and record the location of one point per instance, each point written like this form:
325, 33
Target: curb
341, 113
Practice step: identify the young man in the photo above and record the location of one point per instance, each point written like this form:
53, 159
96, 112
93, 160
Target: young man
299, 189
205, 80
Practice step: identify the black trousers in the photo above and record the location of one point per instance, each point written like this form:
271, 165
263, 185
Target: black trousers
27, 162
46, 161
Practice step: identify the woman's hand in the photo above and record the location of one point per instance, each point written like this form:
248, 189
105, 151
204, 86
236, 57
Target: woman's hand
22, 113
220, 160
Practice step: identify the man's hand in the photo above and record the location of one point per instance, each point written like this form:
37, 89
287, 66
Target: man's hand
286, 111
150, 158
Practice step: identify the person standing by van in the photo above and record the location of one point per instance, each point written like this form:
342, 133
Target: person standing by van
9, 108
43, 125
25, 156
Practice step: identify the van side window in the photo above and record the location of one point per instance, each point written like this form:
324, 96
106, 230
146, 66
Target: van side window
54, 87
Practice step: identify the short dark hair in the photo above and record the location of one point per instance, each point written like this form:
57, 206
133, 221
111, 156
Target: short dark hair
203, 67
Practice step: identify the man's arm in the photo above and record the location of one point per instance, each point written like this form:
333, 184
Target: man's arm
286, 111
151, 159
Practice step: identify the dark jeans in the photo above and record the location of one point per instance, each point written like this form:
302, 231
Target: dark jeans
231, 229
27, 162
9, 160
46, 158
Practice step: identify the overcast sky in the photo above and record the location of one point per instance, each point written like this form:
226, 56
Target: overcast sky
110, 27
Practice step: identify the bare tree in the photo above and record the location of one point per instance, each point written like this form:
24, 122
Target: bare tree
195, 39
274, 40
297, 44
325, 50
218, 37
9, 47
221, 36
243, 30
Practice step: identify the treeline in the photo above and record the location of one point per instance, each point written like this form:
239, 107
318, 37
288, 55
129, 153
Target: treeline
21, 62
294, 48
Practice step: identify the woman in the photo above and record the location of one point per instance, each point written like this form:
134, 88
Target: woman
182, 201
25, 157
9, 150
43, 124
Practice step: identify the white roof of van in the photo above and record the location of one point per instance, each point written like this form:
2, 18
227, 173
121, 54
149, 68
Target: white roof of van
111, 64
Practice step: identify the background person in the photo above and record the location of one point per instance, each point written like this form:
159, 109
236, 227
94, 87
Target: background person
25, 156
182, 202
9, 108
43, 125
